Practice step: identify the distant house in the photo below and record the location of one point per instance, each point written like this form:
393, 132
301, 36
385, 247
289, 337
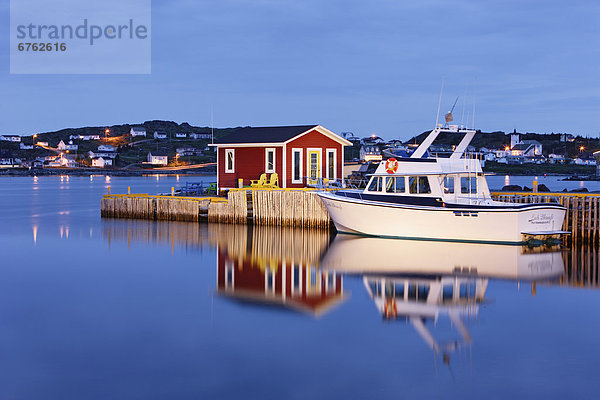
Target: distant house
10, 138
566, 137
6, 157
197, 136
137, 131
180, 135
24, 146
370, 152
525, 148
597, 157
160, 135
85, 137
66, 146
373, 139
349, 136
100, 162
188, 151
106, 147
42, 143
158, 158
586, 158
102, 153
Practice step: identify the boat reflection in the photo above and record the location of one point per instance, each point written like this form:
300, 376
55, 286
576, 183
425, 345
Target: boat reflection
357, 255
426, 281
276, 266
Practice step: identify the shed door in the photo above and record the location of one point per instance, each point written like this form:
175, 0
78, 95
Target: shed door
314, 166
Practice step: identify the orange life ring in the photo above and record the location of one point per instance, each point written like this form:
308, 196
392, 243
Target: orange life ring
391, 165
390, 308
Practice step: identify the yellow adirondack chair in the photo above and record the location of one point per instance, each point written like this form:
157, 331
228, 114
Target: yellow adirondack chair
273, 182
260, 182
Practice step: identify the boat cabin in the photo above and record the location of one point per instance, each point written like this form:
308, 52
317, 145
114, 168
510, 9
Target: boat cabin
452, 181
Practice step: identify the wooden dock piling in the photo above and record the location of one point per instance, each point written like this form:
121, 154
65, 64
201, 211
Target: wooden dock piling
295, 208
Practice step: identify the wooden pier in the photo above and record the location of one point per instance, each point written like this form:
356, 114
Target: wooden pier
303, 208
275, 207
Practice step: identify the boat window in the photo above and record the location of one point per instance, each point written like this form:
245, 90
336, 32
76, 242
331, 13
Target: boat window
412, 291
389, 292
389, 184
400, 186
449, 184
375, 289
422, 292
448, 292
419, 184
467, 290
468, 184
399, 290
375, 184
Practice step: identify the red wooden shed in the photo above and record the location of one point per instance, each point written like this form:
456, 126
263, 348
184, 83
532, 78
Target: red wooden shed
300, 155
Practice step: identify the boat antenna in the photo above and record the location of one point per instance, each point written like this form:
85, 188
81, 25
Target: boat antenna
474, 92
462, 118
439, 104
212, 126
449, 118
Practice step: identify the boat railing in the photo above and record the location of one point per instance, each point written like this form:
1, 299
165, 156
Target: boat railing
340, 183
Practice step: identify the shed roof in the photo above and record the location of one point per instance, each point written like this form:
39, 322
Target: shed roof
158, 154
264, 134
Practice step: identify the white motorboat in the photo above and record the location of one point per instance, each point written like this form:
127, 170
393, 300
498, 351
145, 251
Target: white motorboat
441, 199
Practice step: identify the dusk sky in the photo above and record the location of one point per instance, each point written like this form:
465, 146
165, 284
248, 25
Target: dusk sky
361, 66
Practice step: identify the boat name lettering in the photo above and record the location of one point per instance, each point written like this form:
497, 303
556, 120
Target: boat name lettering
541, 219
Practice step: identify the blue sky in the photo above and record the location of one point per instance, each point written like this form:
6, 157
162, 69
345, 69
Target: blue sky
363, 66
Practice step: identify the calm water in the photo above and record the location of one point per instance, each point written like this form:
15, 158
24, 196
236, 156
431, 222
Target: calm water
123, 309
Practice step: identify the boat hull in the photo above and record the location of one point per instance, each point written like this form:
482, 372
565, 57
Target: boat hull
494, 225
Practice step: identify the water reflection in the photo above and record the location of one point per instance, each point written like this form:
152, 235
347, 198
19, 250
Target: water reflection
423, 282
276, 267
431, 286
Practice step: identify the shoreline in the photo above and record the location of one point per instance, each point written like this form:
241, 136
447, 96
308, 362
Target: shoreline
86, 172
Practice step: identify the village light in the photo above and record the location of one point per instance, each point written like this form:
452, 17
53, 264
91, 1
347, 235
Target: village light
581, 148
507, 148
107, 131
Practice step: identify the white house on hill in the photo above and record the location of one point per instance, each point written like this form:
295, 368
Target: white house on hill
157, 158
100, 162
137, 131
66, 146
10, 138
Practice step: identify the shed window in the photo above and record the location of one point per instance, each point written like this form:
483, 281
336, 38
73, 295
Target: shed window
229, 160
331, 161
270, 160
296, 165
419, 184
